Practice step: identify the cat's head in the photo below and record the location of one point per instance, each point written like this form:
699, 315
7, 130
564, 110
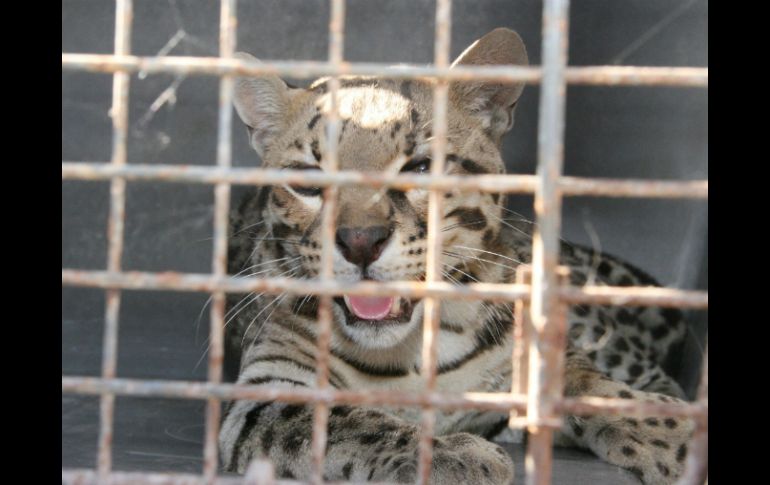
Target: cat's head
385, 127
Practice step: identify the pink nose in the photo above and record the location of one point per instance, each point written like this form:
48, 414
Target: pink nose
363, 245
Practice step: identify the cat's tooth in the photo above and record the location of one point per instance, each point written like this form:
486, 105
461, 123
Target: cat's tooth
395, 307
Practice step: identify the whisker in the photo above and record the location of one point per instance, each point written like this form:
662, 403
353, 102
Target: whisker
483, 305
249, 227
253, 299
503, 221
461, 256
451, 278
289, 260
290, 272
240, 302
208, 301
307, 297
263, 310
288, 241
461, 271
267, 318
523, 219
459, 224
490, 252
258, 244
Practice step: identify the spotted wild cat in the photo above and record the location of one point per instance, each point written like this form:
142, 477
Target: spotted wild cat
376, 342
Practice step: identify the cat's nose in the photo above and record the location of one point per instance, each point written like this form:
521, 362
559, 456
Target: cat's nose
363, 245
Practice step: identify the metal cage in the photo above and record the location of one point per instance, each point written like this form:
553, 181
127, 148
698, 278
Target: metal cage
536, 401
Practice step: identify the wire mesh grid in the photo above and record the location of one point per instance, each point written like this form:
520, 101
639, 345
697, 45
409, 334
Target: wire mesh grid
541, 295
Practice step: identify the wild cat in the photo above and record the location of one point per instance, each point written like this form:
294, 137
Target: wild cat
376, 342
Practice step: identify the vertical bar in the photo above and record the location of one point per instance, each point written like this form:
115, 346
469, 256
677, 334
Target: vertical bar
546, 359
119, 114
227, 41
696, 468
522, 333
260, 472
332, 128
432, 315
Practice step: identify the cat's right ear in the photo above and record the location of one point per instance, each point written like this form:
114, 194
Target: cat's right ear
262, 103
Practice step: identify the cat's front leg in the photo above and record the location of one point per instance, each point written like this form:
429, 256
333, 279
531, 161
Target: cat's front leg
362, 445
654, 448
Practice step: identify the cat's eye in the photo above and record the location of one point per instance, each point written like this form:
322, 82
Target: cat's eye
304, 190
420, 165
307, 191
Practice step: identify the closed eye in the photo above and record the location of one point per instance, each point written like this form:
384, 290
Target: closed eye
304, 190
419, 165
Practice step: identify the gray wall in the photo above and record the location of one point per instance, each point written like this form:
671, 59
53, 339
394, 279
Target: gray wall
659, 133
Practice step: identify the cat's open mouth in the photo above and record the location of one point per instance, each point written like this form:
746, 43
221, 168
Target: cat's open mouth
364, 310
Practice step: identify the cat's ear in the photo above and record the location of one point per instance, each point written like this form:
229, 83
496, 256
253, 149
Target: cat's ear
262, 103
492, 102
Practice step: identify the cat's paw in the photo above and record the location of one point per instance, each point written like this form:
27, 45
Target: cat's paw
653, 448
457, 458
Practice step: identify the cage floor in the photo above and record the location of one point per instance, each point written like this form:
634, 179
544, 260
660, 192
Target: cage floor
166, 435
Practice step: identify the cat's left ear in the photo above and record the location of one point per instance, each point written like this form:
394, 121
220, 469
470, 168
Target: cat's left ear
492, 102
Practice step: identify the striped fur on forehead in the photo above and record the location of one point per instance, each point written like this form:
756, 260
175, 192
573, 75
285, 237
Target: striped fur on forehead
381, 119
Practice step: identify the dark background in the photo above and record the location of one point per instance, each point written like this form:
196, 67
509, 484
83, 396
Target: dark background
620, 132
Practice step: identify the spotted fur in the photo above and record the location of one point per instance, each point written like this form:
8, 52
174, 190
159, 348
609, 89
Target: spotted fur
614, 352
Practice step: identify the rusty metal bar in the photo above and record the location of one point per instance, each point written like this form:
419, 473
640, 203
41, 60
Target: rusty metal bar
260, 472
520, 184
587, 75
433, 273
115, 224
88, 477
597, 295
547, 311
633, 296
546, 367
580, 186
227, 41
500, 402
328, 238
696, 467
522, 335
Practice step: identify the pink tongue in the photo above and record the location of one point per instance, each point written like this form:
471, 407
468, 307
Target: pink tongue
370, 308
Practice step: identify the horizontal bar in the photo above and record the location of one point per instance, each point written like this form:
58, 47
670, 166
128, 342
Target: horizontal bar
75, 476
595, 75
500, 402
173, 281
89, 477
204, 390
634, 296
523, 184
669, 189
